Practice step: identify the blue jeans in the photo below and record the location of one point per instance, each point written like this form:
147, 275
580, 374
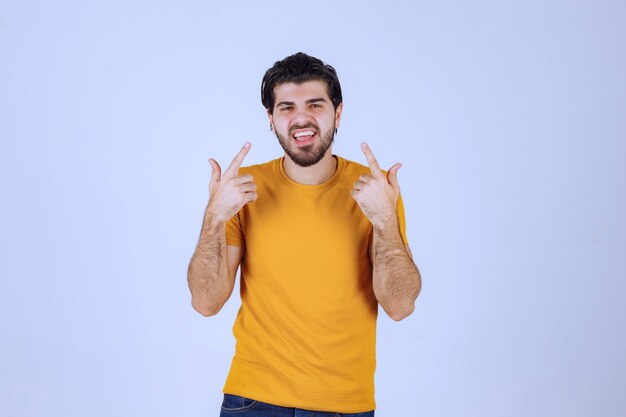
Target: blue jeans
235, 405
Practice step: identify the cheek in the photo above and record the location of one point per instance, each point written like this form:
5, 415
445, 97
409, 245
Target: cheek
281, 122
283, 127
328, 123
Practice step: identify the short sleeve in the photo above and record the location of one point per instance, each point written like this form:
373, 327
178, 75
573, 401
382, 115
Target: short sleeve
402, 220
234, 232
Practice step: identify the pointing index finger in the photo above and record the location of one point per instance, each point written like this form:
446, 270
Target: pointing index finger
238, 159
371, 160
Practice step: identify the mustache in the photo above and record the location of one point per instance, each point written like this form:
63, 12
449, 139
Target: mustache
308, 125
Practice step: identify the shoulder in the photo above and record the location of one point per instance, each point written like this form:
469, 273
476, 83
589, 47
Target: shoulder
352, 168
268, 168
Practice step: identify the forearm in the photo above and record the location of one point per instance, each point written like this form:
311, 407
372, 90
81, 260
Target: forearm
208, 275
396, 279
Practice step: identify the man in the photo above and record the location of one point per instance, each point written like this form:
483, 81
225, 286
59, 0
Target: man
320, 241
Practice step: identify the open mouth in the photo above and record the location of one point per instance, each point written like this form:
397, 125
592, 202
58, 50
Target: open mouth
304, 136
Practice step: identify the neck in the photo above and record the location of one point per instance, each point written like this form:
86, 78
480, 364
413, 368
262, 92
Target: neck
314, 174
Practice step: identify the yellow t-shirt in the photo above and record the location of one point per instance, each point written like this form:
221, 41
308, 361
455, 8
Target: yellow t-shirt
306, 329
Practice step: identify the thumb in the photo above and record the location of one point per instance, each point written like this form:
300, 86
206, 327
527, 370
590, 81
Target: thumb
216, 173
392, 176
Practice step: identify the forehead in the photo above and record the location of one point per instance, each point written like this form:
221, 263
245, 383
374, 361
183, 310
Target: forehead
303, 91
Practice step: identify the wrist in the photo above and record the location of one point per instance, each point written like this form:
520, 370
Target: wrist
386, 223
213, 219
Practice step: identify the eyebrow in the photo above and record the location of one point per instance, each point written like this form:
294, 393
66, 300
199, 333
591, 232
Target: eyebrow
309, 101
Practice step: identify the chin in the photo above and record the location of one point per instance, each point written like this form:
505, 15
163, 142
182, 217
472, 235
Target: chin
308, 155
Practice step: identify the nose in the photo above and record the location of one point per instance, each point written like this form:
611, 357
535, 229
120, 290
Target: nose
301, 116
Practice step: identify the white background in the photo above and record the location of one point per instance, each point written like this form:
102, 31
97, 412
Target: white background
508, 118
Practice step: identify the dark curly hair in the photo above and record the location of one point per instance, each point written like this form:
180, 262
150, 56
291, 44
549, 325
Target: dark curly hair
299, 68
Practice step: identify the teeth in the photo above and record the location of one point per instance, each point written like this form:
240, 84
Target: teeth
307, 133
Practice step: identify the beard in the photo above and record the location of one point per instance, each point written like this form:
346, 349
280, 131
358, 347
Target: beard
311, 154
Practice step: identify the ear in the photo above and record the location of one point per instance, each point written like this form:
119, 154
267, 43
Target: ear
269, 115
338, 111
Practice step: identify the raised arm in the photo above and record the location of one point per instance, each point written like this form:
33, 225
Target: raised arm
395, 277
213, 266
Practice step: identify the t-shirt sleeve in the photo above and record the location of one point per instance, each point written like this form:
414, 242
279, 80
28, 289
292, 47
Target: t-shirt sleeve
402, 220
234, 232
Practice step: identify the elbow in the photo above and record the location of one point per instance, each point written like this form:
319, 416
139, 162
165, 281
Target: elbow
402, 307
400, 313
207, 310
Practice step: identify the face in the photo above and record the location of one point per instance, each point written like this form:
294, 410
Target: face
304, 120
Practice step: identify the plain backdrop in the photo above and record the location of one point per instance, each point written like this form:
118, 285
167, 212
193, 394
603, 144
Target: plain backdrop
509, 119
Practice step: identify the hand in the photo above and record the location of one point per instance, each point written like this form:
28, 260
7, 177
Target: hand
377, 194
228, 193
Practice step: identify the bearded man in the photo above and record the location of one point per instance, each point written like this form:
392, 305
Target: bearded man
321, 242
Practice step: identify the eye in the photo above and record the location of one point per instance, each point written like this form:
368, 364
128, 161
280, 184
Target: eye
316, 106
285, 108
